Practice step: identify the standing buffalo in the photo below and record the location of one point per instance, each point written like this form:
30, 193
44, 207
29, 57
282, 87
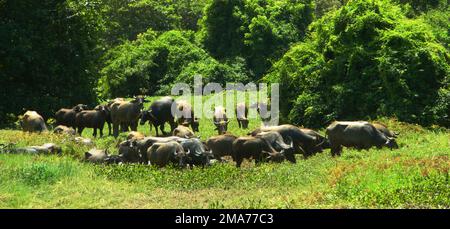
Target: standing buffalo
126, 113
383, 129
186, 115
67, 117
257, 148
220, 119
242, 115
92, 119
361, 135
159, 113
108, 117
221, 145
303, 143
183, 132
33, 122
161, 154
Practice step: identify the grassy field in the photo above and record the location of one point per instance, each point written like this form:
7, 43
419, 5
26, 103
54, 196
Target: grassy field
414, 176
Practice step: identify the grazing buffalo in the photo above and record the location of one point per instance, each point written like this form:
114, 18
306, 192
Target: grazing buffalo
92, 119
126, 113
220, 119
186, 115
360, 135
383, 129
221, 145
64, 130
135, 135
303, 143
326, 143
163, 153
159, 113
257, 148
242, 115
276, 141
33, 122
67, 117
48, 148
197, 155
183, 132
129, 152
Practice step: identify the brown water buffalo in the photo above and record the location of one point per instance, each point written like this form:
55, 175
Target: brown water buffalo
129, 152
220, 119
257, 148
383, 129
91, 119
135, 135
303, 143
221, 145
48, 148
161, 154
159, 113
126, 113
276, 141
183, 132
242, 115
32, 122
186, 115
64, 130
360, 135
67, 117
108, 120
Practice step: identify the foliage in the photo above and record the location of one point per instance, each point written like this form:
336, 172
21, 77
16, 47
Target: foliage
365, 59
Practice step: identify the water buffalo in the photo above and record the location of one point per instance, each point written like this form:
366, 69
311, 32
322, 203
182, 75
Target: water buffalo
96, 155
84, 141
135, 135
48, 148
126, 113
383, 129
91, 119
242, 115
33, 122
147, 142
67, 117
129, 152
276, 141
163, 153
263, 110
108, 117
64, 130
220, 119
159, 113
186, 115
361, 135
183, 132
303, 143
221, 145
257, 148
197, 155
326, 143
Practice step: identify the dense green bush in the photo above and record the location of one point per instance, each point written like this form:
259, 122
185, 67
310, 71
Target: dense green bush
364, 60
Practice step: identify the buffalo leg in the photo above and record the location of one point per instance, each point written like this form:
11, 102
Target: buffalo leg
161, 127
109, 128
80, 130
239, 124
101, 131
133, 126
291, 157
94, 132
116, 129
238, 162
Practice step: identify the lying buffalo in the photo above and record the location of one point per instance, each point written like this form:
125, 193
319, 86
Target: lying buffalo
197, 155
221, 145
276, 141
33, 122
183, 132
99, 156
129, 152
159, 113
360, 135
92, 119
163, 153
48, 148
64, 130
145, 143
84, 141
135, 135
303, 143
220, 119
67, 117
126, 113
242, 115
257, 148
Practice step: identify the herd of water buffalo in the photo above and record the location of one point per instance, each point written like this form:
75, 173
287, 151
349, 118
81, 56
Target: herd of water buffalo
267, 143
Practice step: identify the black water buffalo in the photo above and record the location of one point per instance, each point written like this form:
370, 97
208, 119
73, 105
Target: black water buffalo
360, 135
276, 141
257, 148
159, 113
92, 119
221, 145
33, 122
303, 143
320, 138
197, 155
147, 142
242, 115
67, 117
163, 153
220, 119
108, 106
383, 129
129, 152
126, 113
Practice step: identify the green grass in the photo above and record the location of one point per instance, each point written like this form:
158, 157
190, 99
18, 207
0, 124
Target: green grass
414, 176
